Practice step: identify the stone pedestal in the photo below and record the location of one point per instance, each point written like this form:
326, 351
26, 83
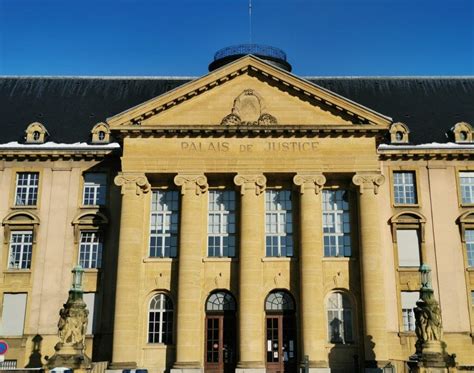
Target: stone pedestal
69, 356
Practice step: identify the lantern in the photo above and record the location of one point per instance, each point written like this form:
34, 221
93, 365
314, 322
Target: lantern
425, 276
77, 273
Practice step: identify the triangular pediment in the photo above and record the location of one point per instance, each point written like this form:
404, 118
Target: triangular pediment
246, 92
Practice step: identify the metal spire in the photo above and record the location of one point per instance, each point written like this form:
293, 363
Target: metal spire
250, 20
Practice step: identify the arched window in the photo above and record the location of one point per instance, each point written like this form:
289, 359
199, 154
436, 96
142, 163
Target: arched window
279, 301
220, 301
160, 320
339, 318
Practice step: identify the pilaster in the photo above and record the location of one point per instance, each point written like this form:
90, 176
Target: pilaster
311, 287
251, 328
134, 187
189, 354
371, 261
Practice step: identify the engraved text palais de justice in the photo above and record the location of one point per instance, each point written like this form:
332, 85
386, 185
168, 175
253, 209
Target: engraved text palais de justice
267, 146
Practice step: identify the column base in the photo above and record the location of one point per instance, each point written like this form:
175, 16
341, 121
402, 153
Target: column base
250, 370
187, 370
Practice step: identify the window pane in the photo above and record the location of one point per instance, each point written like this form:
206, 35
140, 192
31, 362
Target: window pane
90, 250
160, 320
408, 248
21, 246
26, 188
95, 185
221, 223
408, 300
278, 223
404, 188
89, 300
469, 238
336, 223
339, 314
164, 224
13, 314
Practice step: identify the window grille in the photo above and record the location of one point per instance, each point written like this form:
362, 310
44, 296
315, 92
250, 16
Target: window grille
220, 301
336, 223
278, 223
404, 188
95, 186
164, 224
160, 320
21, 246
279, 301
221, 224
339, 319
26, 188
90, 250
467, 187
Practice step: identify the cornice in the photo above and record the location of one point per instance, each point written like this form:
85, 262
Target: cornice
247, 65
50, 154
414, 153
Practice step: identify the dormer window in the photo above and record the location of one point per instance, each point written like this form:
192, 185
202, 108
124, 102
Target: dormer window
462, 133
36, 133
399, 133
100, 133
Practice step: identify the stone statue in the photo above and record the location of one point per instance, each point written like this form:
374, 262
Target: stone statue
72, 324
428, 319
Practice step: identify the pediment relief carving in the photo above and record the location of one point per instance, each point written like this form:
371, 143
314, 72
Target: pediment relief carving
249, 109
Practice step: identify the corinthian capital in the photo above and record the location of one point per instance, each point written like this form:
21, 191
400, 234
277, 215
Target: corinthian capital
310, 182
194, 183
132, 183
368, 182
251, 183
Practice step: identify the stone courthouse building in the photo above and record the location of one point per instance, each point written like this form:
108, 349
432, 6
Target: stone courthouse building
237, 221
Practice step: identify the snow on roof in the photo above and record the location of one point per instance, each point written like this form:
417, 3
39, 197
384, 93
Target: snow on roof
13, 145
432, 145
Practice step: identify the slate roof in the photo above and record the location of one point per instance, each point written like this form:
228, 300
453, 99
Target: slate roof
70, 106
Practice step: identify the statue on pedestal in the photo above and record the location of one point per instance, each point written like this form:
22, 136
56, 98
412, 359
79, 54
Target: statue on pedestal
72, 328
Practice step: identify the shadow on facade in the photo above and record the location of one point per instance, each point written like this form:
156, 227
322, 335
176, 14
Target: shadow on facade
34, 361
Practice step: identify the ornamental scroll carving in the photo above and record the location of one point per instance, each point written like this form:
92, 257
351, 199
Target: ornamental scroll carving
248, 109
196, 183
369, 182
133, 183
311, 182
251, 183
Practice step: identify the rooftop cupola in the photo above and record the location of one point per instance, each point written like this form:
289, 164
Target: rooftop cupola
272, 55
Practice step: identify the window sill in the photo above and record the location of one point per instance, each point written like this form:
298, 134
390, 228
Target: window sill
219, 259
159, 260
408, 269
279, 259
92, 207
157, 346
407, 334
91, 270
407, 205
17, 271
470, 269
24, 207
338, 259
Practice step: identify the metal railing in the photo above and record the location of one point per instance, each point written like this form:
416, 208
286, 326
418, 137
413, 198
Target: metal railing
257, 49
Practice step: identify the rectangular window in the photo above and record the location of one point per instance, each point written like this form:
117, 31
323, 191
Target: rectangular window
26, 193
466, 182
95, 186
408, 299
90, 250
278, 223
336, 223
221, 224
164, 224
408, 245
404, 188
21, 246
13, 314
469, 238
90, 300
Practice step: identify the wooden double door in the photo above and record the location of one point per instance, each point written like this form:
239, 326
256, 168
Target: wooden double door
281, 343
220, 343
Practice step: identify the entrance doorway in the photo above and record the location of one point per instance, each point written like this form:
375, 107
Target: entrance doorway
220, 333
281, 333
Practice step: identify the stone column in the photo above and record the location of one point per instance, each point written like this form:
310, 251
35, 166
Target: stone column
189, 354
372, 273
126, 328
252, 236
312, 314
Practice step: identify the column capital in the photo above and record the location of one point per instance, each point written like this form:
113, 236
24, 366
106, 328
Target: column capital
132, 183
312, 182
368, 181
255, 183
196, 183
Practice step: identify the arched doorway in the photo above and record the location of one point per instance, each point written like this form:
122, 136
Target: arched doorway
220, 333
281, 332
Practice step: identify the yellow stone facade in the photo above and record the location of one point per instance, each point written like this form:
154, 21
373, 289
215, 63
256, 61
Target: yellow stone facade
316, 141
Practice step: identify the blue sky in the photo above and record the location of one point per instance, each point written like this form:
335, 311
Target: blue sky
179, 37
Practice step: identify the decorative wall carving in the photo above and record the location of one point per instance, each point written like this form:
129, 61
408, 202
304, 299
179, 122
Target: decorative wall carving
248, 109
251, 183
310, 182
133, 183
192, 182
368, 182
